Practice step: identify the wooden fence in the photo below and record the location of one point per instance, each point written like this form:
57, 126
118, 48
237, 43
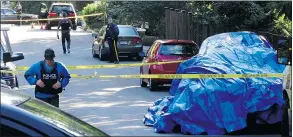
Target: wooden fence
180, 24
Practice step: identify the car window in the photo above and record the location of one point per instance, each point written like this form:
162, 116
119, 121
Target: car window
1, 52
60, 8
127, 31
4, 43
9, 12
178, 49
2, 12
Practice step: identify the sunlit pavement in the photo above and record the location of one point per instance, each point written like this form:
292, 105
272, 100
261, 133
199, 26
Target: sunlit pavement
116, 106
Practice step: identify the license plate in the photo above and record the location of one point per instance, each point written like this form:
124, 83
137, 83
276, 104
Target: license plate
123, 42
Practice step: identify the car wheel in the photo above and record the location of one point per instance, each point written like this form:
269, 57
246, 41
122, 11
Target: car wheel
102, 56
138, 58
74, 27
94, 52
152, 85
285, 117
26, 22
142, 83
48, 27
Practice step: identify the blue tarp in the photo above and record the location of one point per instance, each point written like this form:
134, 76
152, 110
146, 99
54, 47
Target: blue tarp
218, 106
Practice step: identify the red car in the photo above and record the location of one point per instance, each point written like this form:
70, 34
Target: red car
164, 51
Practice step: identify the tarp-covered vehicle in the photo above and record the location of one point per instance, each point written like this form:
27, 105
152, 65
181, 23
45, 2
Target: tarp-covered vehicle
217, 106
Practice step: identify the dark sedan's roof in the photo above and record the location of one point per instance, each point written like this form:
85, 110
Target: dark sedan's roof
18, 104
11, 97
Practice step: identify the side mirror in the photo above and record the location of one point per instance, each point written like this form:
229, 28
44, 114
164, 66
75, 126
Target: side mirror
7, 57
141, 54
17, 56
95, 35
284, 52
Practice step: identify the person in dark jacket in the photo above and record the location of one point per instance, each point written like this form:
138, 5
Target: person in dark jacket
50, 78
65, 25
111, 36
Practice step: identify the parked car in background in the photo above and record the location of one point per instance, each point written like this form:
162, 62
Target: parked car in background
9, 14
129, 43
22, 115
165, 51
55, 11
7, 59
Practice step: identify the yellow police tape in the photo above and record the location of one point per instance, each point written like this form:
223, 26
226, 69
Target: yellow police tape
110, 65
170, 76
180, 76
98, 14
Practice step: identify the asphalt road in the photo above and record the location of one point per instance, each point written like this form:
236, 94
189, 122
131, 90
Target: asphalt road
116, 106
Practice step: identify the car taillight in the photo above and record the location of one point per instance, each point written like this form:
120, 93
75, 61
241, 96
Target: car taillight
71, 14
136, 40
52, 14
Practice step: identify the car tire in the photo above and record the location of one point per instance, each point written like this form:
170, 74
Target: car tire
152, 85
142, 83
93, 52
48, 27
285, 117
26, 22
138, 58
74, 27
102, 56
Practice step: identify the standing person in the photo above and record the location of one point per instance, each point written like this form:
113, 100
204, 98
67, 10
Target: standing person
65, 24
19, 12
50, 78
111, 36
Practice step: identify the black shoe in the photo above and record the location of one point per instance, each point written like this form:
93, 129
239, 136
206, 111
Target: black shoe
64, 52
116, 62
68, 50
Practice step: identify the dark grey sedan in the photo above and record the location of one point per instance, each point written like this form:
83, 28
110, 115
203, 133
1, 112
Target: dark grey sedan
22, 115
129, 43
8, 14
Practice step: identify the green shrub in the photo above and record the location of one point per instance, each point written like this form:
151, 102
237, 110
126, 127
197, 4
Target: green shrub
94, 22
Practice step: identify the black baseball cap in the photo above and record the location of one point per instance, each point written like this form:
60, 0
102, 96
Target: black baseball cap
49, 54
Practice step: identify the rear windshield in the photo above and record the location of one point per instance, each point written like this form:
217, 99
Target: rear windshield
60, 8
178, 49
127, 31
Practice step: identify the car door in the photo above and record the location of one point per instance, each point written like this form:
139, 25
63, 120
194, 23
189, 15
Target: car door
150, 57
9, 15
3, 17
